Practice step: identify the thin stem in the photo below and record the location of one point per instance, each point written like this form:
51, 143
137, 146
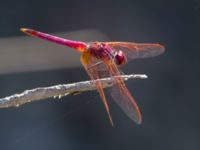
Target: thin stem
59, 90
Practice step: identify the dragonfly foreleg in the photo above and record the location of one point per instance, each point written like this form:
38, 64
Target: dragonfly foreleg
94, 65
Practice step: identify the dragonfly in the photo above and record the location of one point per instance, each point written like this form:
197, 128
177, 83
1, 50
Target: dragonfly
104, 59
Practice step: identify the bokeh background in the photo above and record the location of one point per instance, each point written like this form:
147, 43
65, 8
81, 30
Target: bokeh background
169, 98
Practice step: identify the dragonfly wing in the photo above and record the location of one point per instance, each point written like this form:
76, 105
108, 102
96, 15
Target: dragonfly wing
137, 50
118, 91
96, 70
123, 97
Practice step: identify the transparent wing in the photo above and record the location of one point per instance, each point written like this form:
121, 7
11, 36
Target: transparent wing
118, 91
137, 50
96, 70
122, 96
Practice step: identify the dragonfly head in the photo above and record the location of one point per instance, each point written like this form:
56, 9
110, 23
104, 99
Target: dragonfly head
120, 58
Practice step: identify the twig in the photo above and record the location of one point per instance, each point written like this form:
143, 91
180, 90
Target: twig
59, 91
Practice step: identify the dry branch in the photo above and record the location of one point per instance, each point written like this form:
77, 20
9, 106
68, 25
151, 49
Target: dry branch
59, 91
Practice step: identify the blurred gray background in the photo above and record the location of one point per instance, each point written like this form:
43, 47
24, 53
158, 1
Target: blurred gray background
169, 99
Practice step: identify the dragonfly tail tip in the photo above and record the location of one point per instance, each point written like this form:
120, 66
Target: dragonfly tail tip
29, 31
23, 29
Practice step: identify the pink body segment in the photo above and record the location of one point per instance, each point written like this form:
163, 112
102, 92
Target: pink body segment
80, 46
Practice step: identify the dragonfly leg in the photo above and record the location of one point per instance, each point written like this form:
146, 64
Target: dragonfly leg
94, 65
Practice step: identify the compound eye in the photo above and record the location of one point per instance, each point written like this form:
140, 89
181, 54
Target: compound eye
120, 58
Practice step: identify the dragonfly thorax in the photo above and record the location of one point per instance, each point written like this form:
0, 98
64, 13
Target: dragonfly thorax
105, 52
101, 51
